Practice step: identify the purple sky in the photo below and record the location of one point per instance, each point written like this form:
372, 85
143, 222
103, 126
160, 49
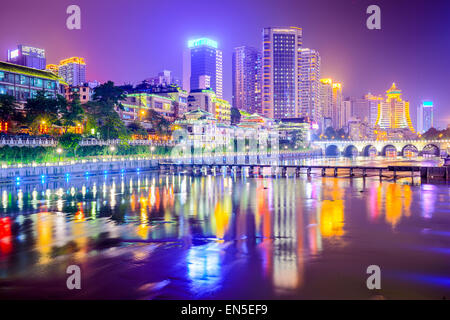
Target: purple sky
127, 41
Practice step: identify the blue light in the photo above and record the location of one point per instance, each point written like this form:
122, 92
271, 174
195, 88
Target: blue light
18, 178
105, 172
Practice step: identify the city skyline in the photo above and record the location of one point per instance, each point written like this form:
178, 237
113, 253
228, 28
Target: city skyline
350, 56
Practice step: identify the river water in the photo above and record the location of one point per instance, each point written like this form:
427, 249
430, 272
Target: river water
144, 235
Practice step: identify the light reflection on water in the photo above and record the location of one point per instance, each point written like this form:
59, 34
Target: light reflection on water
284, 223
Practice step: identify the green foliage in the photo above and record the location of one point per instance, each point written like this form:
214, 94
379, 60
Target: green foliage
160, 124
330, 133
25, 154
235, 115
70, 141
43, 108
434, 134
72, 114
8, 109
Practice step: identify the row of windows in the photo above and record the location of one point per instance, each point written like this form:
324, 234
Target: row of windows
22, 94
26, 80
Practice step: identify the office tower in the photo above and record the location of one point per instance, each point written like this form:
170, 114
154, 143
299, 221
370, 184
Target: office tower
310, 84
164, 78
393, 112
337, 114
281, 72
245, 66
326, 97
346, 111
205, 65
331, 103
73, 70
373, 102
425, 116
53, 68
28, 56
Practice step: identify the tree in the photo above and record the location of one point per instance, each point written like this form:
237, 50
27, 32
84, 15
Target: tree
235, 115
113, 128
136, 128
160, 124
108, 94
330, 133
43, 108
9, 109
70, 141
72, 114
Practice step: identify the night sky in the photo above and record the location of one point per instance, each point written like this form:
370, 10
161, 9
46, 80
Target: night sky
127, 41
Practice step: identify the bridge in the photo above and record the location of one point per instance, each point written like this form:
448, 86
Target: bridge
383, 148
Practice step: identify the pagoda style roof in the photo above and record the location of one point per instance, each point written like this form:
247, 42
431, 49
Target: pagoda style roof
394, 90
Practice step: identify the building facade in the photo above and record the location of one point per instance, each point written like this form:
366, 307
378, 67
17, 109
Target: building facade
205, 60
425, 116
28, 57
208, 101
24, 82
246, 75
393, 112
170, 102
73, 71
310, 84
281, 69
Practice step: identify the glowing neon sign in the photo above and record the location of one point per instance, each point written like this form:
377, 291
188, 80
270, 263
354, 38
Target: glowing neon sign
202, 42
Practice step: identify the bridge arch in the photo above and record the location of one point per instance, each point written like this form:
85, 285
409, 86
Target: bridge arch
368, 150
389, 150
431, 149
411, 148
332, 151
350, 151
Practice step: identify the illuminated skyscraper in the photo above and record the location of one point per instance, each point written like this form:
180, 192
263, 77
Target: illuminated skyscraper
204, 67
28, 56
73, 71
246, 74
281, 70
425, 116
337, 115
393, 112
373, 102
310, 84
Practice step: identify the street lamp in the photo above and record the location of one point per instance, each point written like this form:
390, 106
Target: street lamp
112, 148
59, 151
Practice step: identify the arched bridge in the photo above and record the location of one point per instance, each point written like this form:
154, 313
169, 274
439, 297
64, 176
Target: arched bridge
383, 148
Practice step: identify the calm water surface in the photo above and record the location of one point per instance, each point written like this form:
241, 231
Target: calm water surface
150, 236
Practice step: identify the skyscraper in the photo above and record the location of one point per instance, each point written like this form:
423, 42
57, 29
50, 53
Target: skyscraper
205, 66
246, 68
373, 102
337, 116
331, 103
393, 112
281, 72
310, 84
73, 71
425, 116
28, 56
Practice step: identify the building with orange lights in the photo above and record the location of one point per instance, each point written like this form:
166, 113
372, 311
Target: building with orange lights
393, 112
73, 70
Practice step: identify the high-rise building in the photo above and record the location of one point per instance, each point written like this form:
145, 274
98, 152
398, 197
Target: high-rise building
346, 111
281, 68
28, 56
73, 71
53, 68
373, 102
425, 116
331, 103
337, 115
246, 76
205, 65
164, 78
310, 84
393, 112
